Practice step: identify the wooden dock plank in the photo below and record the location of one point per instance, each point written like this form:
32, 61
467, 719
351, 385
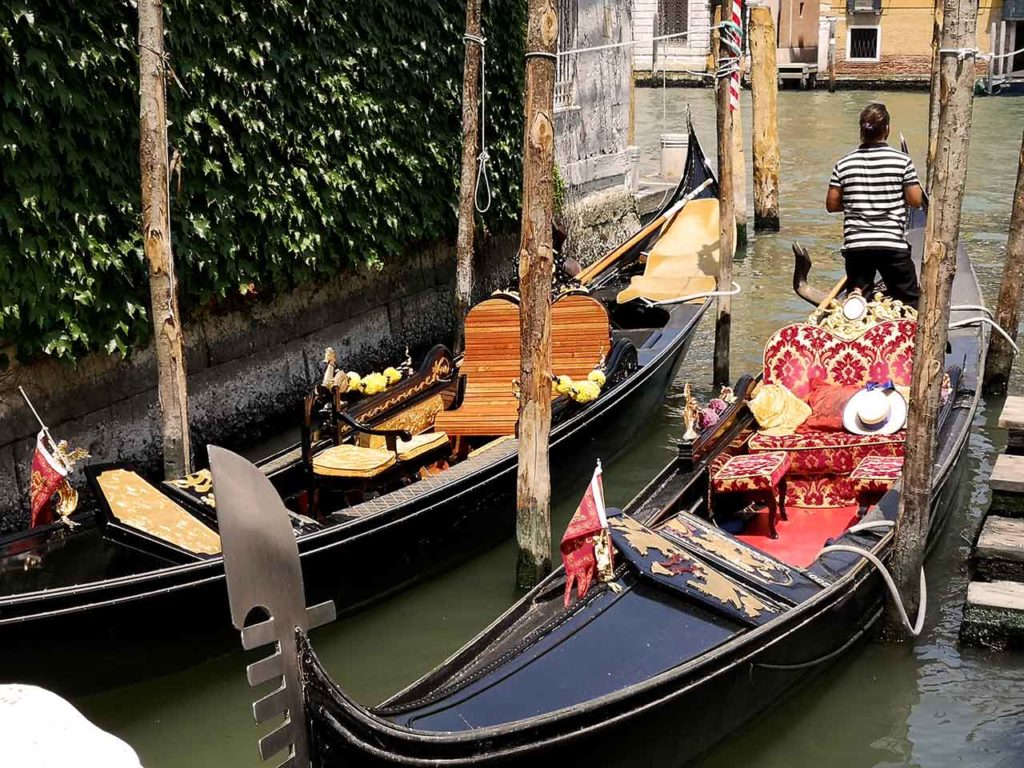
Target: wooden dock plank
1007, 483
999, 553
1008, 474
994, 615
1012, 416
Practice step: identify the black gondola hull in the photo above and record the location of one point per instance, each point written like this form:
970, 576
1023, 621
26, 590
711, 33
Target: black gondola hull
668, 724
106, 634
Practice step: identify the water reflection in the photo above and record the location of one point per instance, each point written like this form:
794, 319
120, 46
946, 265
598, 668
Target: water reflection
931, 705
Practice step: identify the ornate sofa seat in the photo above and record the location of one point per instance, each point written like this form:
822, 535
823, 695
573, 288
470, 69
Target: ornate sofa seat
823, 453
801, 356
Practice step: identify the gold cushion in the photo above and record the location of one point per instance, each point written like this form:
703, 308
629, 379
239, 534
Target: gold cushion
684, 259
352, 461
135, 502
421, 444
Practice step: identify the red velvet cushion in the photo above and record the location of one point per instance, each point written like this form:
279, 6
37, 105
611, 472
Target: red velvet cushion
827, 404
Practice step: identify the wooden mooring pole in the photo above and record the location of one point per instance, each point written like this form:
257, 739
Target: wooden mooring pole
726, 212
942, 235
154, 162
533, 508
933, 94
467, 180
764, 97
739, 175
1011, 293
832, 55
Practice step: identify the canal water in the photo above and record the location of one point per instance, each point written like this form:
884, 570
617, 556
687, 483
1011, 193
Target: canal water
932, 704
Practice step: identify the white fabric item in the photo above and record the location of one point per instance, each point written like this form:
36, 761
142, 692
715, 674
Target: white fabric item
39, 729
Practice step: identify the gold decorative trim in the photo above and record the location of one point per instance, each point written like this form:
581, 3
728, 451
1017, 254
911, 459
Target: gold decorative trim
678, 562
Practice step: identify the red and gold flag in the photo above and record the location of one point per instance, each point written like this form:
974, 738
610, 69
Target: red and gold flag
49, 474
588, 524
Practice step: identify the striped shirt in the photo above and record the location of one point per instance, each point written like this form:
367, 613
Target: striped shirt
874, 212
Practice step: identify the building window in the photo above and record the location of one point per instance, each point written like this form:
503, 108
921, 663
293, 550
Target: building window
673, 18
863, 43
565, 71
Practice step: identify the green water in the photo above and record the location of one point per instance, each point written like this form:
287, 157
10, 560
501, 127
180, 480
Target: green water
930, 704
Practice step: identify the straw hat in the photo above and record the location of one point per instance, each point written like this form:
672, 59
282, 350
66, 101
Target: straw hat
875, 411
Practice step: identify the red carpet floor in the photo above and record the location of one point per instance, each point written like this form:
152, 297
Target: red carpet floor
802, 536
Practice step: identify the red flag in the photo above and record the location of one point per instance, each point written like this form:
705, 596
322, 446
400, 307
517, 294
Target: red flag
48, 474
589, 522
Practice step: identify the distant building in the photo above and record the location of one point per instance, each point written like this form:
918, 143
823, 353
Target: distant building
654, 18
890, 40
876, 40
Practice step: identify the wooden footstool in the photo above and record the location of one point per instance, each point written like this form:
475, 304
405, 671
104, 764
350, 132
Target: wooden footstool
873, 477
762, 475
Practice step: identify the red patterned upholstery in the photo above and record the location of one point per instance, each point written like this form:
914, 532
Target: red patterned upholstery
828, 453
820, 491
800, 353
760, 472
875, 475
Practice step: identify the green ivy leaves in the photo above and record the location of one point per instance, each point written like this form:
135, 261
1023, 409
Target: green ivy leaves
314, 137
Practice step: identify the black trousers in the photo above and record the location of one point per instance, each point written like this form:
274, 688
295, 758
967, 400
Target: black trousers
895, 267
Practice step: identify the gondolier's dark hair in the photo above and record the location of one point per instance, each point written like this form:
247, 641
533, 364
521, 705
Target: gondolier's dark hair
874, 123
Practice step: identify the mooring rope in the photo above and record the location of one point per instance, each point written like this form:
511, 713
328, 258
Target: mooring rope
482, 157
962, 53
982, 319
626, 44
703, 295
915, 628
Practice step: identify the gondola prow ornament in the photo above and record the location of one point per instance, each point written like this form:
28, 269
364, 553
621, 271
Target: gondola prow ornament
267, 596
52, 462
586, 545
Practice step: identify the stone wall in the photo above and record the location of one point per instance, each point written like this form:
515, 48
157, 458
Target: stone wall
593, 120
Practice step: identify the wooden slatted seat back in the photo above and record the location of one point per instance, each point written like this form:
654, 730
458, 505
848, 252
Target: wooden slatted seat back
580, 337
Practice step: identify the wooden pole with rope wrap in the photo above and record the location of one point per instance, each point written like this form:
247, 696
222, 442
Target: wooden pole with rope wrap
533, 497
168, 341
726, 203
468, 178
938, 268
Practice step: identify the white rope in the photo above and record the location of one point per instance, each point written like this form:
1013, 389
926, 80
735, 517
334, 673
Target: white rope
1003, 55
962, 53
972, 307
990, 321
703, 295
870, 526
482, 158
626, 44
915, 628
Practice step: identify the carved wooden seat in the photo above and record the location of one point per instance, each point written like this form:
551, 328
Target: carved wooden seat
580, 338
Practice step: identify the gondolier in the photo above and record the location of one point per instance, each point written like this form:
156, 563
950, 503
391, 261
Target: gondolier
872, 186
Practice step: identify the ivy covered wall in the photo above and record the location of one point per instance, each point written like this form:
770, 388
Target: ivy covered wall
313, 135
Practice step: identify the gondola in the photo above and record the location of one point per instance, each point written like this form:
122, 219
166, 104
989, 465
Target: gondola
705, 621
87, 609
